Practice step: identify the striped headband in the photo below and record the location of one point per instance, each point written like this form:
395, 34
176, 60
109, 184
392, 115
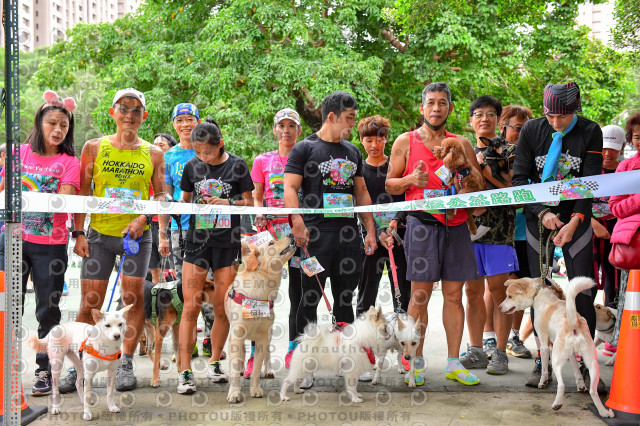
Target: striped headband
562, 98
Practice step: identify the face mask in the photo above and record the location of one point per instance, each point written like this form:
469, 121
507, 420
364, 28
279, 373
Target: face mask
432, 127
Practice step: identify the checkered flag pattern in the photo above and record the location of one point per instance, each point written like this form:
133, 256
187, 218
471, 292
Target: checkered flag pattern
557, 188
105, 205
325, 166
574, 162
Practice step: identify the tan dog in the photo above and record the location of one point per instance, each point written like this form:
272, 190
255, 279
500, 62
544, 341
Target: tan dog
464, 176
249, 307
605, 325
557, 321
527, 329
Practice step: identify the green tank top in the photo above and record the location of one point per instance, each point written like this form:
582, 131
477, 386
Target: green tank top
124, 174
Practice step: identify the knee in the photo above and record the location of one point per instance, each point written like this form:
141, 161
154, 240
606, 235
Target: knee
453, 298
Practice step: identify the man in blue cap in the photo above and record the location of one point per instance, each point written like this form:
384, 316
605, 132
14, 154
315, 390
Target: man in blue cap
560, 145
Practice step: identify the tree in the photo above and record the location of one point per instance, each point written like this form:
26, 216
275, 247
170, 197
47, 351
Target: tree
626, 33
240, 61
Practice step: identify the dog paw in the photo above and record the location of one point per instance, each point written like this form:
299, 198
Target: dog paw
257, 392
55, 410
234, 397
556, 407
269, 375
543, 384
582, 388
87, 416
412, 384
164, 366
114, 409
284, 398
356, 400
299, 391
401, 370
606, 413
374, 381
155, 383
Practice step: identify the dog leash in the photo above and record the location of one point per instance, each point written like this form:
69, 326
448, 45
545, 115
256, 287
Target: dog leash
394, 273
131, 248
544, 265
326, 300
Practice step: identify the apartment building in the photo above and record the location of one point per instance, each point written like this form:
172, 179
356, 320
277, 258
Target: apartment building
42, 22
598, 17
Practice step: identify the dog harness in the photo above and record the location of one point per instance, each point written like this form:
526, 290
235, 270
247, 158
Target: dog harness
239, 298
84, 346
175, 300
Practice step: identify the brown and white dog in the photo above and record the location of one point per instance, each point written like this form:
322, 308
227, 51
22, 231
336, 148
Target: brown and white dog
605, 325
557, 321
249, 307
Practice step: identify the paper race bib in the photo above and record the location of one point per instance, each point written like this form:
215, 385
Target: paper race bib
295, 262
258, 239
444, 174
281, 230
255, 308
383, 218
332, 200
311, 266
600, 210
433, 193
206, 221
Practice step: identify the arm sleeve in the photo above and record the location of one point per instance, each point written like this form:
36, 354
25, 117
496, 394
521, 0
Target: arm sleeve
297, 159
72, 173
624, 205
246, 183
257, 170
592, 166
185, 184
524, 167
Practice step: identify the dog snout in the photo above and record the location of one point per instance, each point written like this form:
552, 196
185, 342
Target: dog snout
407, 357
116, 336
292, 239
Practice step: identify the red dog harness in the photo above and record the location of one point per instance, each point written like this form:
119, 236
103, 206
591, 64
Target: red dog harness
84, 346
239, 298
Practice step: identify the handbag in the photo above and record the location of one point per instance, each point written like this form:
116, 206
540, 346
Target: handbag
626, 256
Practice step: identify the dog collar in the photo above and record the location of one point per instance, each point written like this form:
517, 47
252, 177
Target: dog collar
239, 298
84, 346
461, 174
610, 329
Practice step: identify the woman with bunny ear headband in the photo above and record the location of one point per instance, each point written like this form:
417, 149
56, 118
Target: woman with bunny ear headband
48, 165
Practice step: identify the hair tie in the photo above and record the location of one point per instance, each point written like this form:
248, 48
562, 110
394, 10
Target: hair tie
52, 99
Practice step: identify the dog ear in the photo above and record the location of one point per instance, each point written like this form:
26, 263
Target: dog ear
486, 141
400, 324
251, 261
518, 288
97, 315
244, 248
126, 309
379, 313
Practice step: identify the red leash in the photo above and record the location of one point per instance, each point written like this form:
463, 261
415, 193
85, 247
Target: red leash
326, 300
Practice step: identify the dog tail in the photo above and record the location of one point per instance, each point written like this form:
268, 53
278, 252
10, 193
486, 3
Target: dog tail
575, 286
38, 345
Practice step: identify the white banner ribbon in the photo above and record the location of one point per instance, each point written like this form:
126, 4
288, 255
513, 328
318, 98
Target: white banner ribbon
550, 192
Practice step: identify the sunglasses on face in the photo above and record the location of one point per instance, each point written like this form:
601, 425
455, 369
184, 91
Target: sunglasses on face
515, 128
489, 114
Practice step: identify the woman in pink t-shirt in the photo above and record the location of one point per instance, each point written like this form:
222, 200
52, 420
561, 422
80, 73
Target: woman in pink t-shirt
49, 165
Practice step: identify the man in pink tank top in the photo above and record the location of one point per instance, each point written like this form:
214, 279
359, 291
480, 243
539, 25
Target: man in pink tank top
437, 249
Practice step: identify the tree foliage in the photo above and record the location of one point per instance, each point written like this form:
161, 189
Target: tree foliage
241, 61
626, 33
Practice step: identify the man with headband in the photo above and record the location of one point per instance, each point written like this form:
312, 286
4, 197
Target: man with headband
560, 145
436, 249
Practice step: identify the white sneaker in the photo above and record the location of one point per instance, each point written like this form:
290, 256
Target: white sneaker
307, 382
366, 377
186, 385
216, 374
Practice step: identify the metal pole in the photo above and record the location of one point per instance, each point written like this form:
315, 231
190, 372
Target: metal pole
13, 228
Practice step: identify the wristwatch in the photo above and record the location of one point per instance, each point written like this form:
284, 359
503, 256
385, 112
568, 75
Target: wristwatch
232, 201
149, 218
76, 234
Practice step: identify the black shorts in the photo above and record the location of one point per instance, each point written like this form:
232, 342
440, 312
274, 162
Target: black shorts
211, 258
523, 261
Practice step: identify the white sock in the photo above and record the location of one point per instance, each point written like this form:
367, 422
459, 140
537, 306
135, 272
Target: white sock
488, 335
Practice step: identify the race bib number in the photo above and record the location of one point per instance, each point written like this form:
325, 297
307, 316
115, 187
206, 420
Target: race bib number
295, 262
255, 308
206, 221
337, 200
433, 193
383, 218
311, 266
258, 239
444, 174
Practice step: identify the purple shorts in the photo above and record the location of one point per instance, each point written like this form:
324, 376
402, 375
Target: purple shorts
494, 259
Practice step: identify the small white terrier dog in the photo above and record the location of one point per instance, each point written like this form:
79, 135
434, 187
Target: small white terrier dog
337, 352
100, 345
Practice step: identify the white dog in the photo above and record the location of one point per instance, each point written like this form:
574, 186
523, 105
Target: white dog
100, 345
605, 325
557, 321
249, 307
337, 352
404, 338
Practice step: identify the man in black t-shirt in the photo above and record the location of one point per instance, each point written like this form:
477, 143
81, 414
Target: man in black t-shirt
328, 169
560, 145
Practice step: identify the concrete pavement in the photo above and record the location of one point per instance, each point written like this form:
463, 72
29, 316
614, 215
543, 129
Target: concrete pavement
498, 399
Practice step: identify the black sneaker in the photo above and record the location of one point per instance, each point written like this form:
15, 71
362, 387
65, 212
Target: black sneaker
42, 385
68, 383
125, 379
533, 379
602, 389
516, 348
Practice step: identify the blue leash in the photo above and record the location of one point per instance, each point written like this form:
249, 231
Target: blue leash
131, 247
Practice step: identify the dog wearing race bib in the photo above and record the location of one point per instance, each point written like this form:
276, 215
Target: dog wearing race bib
249, 307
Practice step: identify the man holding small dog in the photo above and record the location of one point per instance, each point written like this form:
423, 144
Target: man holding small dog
560, 145
328, 169
436, 248
495, 256
122, 166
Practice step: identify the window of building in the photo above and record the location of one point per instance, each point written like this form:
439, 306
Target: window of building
37, 26
36, 13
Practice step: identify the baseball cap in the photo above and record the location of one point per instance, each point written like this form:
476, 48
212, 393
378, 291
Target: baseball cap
129, 92
613, 137
286, 113
185, 109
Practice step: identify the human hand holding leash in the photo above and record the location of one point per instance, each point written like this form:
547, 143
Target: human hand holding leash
551, 221
135, 228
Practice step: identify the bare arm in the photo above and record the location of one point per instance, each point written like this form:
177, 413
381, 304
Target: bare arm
292, 183
363, 199
397, 184
87, 160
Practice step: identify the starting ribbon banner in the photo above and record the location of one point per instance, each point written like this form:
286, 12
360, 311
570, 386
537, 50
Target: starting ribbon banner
549, 193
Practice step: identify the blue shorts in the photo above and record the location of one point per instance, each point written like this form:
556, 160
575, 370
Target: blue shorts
494, 259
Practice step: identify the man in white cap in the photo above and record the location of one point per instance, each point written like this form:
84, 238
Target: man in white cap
117, 166
607, 277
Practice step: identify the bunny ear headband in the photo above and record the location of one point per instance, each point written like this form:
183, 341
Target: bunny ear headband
52, 99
